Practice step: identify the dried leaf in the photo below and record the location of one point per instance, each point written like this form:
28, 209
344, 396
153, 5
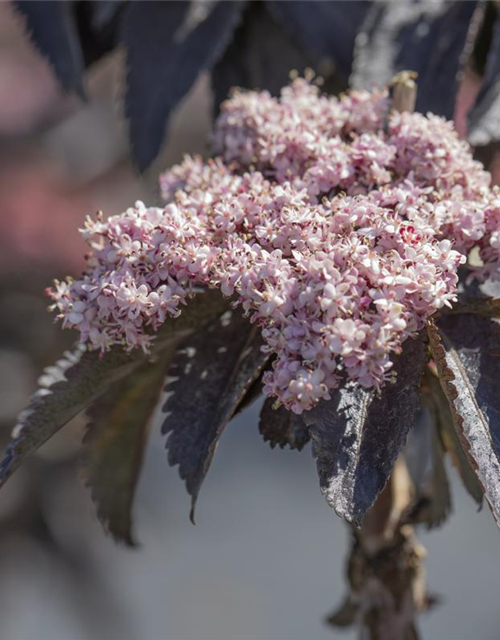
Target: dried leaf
449, 438
463, 348
211, 374
81, 376
357, 435
346, 614
428, 37
52, 29
484, 117
115, 443
168, 44
282, 427
325, 30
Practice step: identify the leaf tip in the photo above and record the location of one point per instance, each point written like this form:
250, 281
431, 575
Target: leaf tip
7, 463
128, 540
121, 536
192, 512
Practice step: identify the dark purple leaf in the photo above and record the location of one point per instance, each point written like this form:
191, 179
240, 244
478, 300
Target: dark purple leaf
98, 28
325, 30
482, 298
450, 439
282, 427
211, 374
484, 117
81, 376
486, 155
490, 288
466, 350
260, 56
115, 444
358, 435
424, 455
65, 389
428, 37
105, 12
482, 306
483, 37
168, 44
252, 395
52, 29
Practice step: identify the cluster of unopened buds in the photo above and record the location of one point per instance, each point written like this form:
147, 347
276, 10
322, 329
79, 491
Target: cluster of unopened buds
337, 225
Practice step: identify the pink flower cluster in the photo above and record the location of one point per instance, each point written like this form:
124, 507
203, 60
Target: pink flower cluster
354, 144
336, 226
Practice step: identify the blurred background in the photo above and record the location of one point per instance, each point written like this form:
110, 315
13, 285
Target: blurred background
266, 559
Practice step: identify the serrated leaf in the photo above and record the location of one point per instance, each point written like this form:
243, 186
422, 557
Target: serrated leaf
115, 442
104, 12
449, 438
478, 297
52, 29
98, 27
428, 37
211, 373
484, 117
168, 44
259, 56
81, 376
282, 427
252, 395
325, 30
66, 388
358, 435
483, 36
466, 350
424, 455
484, 306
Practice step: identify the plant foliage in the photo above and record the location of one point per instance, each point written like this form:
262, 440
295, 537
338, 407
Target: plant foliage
208, 363
211, 374
358, 435
254, 44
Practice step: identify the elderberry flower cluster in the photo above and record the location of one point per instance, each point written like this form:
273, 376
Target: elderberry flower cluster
336, 225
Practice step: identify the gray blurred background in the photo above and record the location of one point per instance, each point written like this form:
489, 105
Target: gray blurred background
266, 558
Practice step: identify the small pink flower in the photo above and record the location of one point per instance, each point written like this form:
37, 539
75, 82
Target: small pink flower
336, 226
